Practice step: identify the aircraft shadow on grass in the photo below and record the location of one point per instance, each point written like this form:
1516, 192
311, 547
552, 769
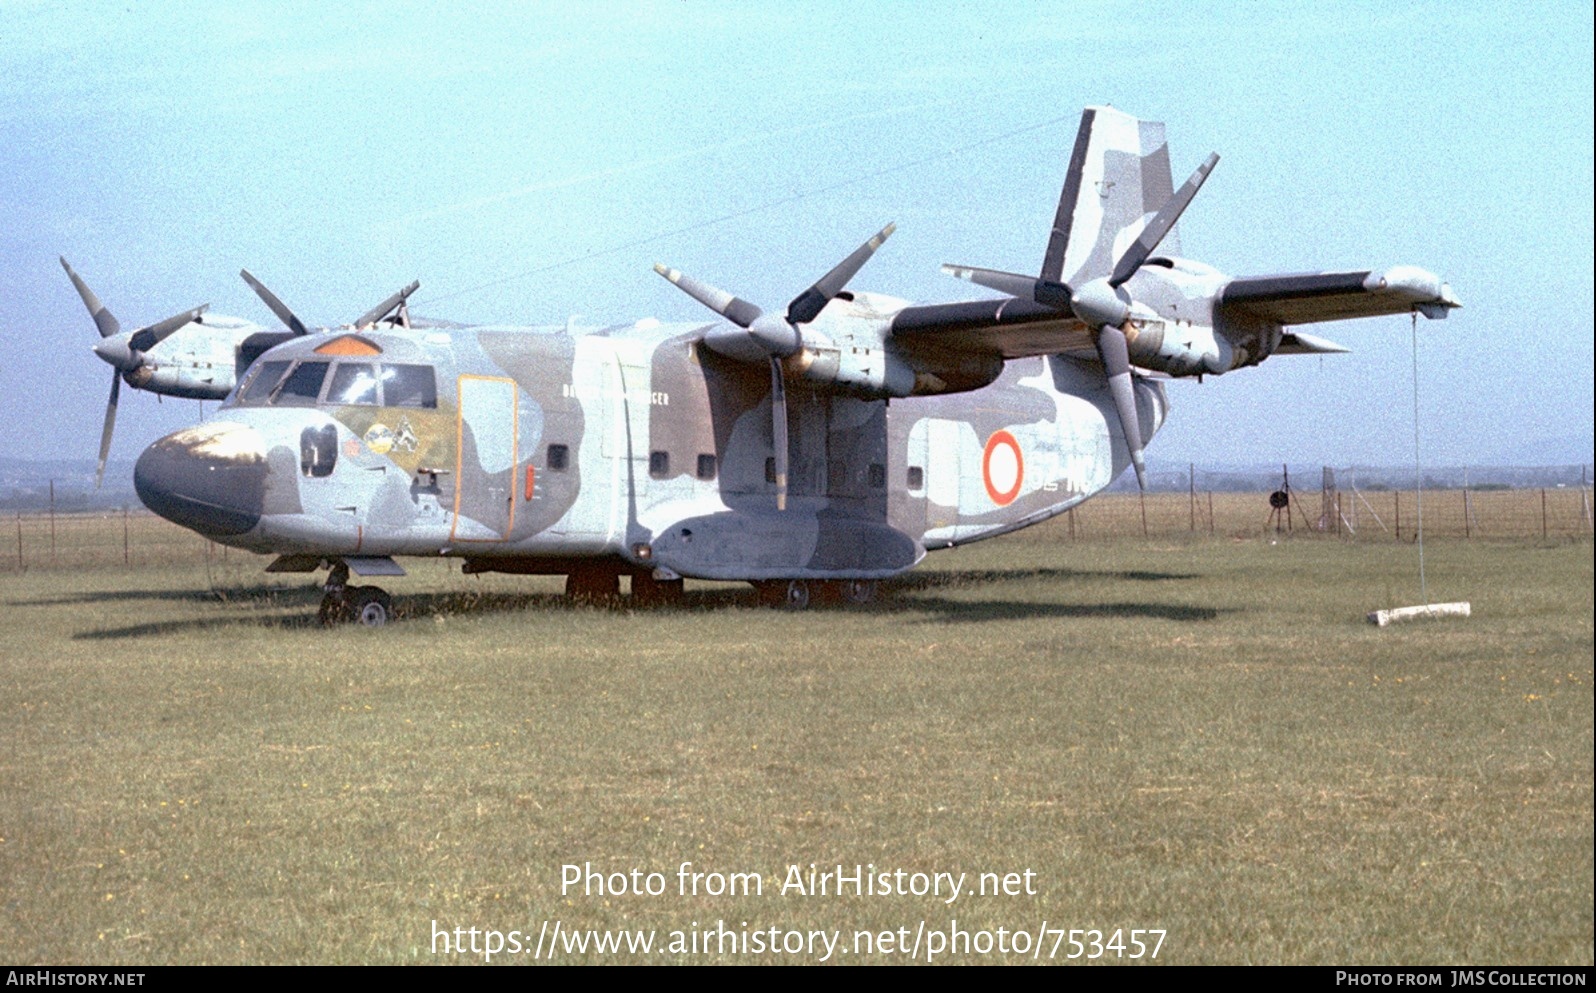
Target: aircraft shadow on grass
899, 597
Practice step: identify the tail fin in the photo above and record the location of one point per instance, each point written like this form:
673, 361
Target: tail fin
1118, 179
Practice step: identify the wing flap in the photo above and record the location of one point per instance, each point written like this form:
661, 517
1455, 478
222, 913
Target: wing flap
1309, 298
1013, 329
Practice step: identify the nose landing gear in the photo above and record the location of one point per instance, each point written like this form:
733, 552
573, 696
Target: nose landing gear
368, 606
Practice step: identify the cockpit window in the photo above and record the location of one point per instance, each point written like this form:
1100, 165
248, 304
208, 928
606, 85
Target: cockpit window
353, 383
259, 387
409, 386
302, 385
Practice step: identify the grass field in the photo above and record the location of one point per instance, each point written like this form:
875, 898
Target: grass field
1196, 735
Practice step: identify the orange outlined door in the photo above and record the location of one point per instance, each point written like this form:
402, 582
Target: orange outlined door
485, 459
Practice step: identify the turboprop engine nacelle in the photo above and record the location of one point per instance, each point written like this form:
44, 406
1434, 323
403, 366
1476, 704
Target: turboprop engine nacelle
1178, 348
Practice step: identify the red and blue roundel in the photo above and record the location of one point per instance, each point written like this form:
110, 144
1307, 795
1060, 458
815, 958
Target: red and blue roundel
1002, 468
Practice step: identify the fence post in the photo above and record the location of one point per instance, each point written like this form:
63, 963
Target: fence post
52, 522
1543, 513
1210, 513
22, 566
1398, 515
125, 558
1468, 512
1191, 499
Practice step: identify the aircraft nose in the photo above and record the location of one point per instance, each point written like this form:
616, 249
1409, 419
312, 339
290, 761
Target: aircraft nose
210, 478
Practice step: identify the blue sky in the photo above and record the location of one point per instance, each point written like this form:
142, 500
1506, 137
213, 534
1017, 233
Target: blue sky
531, 163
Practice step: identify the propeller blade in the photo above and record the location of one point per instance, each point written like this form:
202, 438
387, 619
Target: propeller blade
1112, 349
778, 430
110, 423
808, 304
735, 309
382, 310
146, 338
103, 318
1043, 291
277, 307
1142, 248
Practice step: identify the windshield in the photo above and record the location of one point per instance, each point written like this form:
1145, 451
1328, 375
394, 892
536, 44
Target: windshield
298, 383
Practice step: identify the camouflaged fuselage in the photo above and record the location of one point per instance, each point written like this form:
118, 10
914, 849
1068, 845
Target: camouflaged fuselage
539, 449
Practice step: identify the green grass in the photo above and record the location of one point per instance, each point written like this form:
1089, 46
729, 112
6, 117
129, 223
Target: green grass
1203, 737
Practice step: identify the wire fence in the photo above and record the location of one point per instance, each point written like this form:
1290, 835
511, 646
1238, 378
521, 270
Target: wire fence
1346, 514
137, 538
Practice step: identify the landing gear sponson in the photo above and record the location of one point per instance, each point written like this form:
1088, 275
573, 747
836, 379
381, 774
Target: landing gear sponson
371, 606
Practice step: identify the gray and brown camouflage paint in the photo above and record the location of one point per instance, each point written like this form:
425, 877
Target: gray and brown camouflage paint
634, 448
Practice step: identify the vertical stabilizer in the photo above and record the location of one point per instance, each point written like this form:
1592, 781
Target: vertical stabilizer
1118, 179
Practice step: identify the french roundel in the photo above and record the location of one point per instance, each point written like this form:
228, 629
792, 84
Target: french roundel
1002, 468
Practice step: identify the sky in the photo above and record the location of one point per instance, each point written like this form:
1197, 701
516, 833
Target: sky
529, 163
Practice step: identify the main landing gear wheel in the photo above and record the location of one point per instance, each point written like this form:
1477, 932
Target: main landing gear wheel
593, 586
857, 591
788, 594
650, 592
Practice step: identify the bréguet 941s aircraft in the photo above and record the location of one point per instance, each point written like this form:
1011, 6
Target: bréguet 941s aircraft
817, 450
196, 355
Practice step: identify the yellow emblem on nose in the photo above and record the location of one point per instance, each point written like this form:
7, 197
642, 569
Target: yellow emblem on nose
379, 438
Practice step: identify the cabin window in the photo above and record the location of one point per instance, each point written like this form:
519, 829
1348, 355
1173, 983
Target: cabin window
916, 478
318, 450
301, 386
559, 457
409, 386
353, 384
259, 388
706, 466
659, 464
878, 476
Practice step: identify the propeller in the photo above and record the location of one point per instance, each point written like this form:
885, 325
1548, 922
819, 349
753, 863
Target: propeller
1102, 306
291, 320
123, 350
762, 337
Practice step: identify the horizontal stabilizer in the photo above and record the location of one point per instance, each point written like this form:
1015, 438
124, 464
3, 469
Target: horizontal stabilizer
1301, 343
1308, 298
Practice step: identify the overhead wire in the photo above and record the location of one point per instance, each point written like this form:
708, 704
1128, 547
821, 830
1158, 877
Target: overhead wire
757, 208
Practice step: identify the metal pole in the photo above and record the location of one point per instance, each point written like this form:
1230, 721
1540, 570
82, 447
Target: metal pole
52, 522
126, 559
1191, 499
1210, 513
1144, 513
1418, 473
1543, 513
21, 565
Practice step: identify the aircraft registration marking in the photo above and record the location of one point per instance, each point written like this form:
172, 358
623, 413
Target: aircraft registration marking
656, 398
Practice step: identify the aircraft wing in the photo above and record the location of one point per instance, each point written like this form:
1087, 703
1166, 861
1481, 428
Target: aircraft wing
1012, 328
1336, 296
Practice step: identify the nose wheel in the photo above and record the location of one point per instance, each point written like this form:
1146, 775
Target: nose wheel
368, 606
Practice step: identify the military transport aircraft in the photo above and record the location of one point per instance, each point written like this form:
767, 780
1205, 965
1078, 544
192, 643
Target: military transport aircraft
816, 450
196, 355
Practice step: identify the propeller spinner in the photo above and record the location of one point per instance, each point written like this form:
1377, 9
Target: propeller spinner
1102, 306
123, 350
